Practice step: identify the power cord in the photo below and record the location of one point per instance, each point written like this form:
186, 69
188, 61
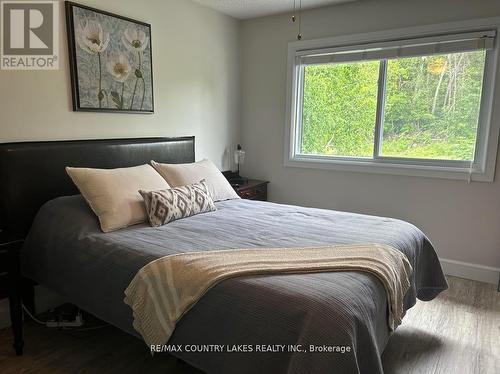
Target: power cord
33, 317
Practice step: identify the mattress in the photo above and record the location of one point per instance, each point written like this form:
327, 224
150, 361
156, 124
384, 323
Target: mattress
66, 251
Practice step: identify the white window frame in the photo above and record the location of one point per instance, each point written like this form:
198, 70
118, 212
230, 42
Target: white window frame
483, 169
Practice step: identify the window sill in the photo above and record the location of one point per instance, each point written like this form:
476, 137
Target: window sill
378, 167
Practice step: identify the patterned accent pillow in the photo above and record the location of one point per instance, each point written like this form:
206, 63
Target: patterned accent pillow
169, 205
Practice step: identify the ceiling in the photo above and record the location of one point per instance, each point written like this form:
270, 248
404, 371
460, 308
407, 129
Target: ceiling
244, 9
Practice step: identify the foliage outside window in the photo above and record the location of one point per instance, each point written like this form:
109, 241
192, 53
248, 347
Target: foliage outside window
431, 107
339, 109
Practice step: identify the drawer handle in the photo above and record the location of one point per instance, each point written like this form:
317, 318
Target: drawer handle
3, 273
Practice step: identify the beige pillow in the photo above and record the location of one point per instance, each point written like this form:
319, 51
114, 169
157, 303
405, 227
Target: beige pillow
182, 174
113, 194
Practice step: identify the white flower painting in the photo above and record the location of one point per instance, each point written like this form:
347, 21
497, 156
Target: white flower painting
111, 58
135, 39
91, 37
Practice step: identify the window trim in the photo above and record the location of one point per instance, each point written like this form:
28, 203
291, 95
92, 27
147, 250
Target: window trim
487, 137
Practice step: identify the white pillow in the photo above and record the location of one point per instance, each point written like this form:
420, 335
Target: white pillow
182, 174
113, 194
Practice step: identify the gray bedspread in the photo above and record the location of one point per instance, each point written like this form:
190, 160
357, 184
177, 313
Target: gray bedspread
67, 252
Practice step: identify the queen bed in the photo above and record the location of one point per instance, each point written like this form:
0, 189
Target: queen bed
66, 251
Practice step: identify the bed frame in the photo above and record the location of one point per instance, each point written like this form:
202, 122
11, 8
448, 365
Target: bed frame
32, 173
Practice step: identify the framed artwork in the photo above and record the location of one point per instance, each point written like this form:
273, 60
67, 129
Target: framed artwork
110, 61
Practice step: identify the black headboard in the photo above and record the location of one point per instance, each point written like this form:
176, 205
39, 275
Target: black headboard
33, 173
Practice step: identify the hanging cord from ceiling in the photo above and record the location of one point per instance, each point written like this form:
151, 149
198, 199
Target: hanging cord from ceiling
299, 18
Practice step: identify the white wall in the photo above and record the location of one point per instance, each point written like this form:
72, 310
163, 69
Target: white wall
196, 62
463, 221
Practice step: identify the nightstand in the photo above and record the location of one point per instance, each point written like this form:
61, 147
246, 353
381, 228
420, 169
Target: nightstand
253, 189
10, 285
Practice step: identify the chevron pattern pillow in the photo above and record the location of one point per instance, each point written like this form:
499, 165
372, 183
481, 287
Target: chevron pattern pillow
165, 206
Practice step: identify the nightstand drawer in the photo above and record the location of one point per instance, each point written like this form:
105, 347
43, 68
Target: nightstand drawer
246, 194
252, 190
252, 194
259, 196
256, 193
262, 189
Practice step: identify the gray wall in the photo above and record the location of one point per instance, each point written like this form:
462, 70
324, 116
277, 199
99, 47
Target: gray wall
463, 221
196, 69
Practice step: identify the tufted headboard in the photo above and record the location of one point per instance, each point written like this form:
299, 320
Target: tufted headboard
32, 173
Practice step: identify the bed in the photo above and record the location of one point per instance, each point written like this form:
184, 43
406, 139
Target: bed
66, 251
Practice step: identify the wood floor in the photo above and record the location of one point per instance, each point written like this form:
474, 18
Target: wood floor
459, 332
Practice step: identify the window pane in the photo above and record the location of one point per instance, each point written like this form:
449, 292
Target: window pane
339, 109
432, 106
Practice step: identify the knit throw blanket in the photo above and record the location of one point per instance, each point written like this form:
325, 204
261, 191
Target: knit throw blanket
165, 289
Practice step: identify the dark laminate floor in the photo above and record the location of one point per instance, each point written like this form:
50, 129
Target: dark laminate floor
459, 332
105, 350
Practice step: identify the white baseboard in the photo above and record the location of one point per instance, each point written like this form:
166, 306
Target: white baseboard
467, 270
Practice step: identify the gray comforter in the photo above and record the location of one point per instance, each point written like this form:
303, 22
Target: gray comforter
67, 252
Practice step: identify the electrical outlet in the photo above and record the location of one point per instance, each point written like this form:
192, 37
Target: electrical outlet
78, 321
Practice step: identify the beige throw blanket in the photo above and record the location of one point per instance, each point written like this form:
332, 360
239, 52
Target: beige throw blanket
165, 289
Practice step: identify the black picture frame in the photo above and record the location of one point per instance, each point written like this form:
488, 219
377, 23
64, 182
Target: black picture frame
73, 62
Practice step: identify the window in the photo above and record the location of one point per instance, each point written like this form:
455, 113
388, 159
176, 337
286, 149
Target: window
339, 109
420, 103
431, 106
